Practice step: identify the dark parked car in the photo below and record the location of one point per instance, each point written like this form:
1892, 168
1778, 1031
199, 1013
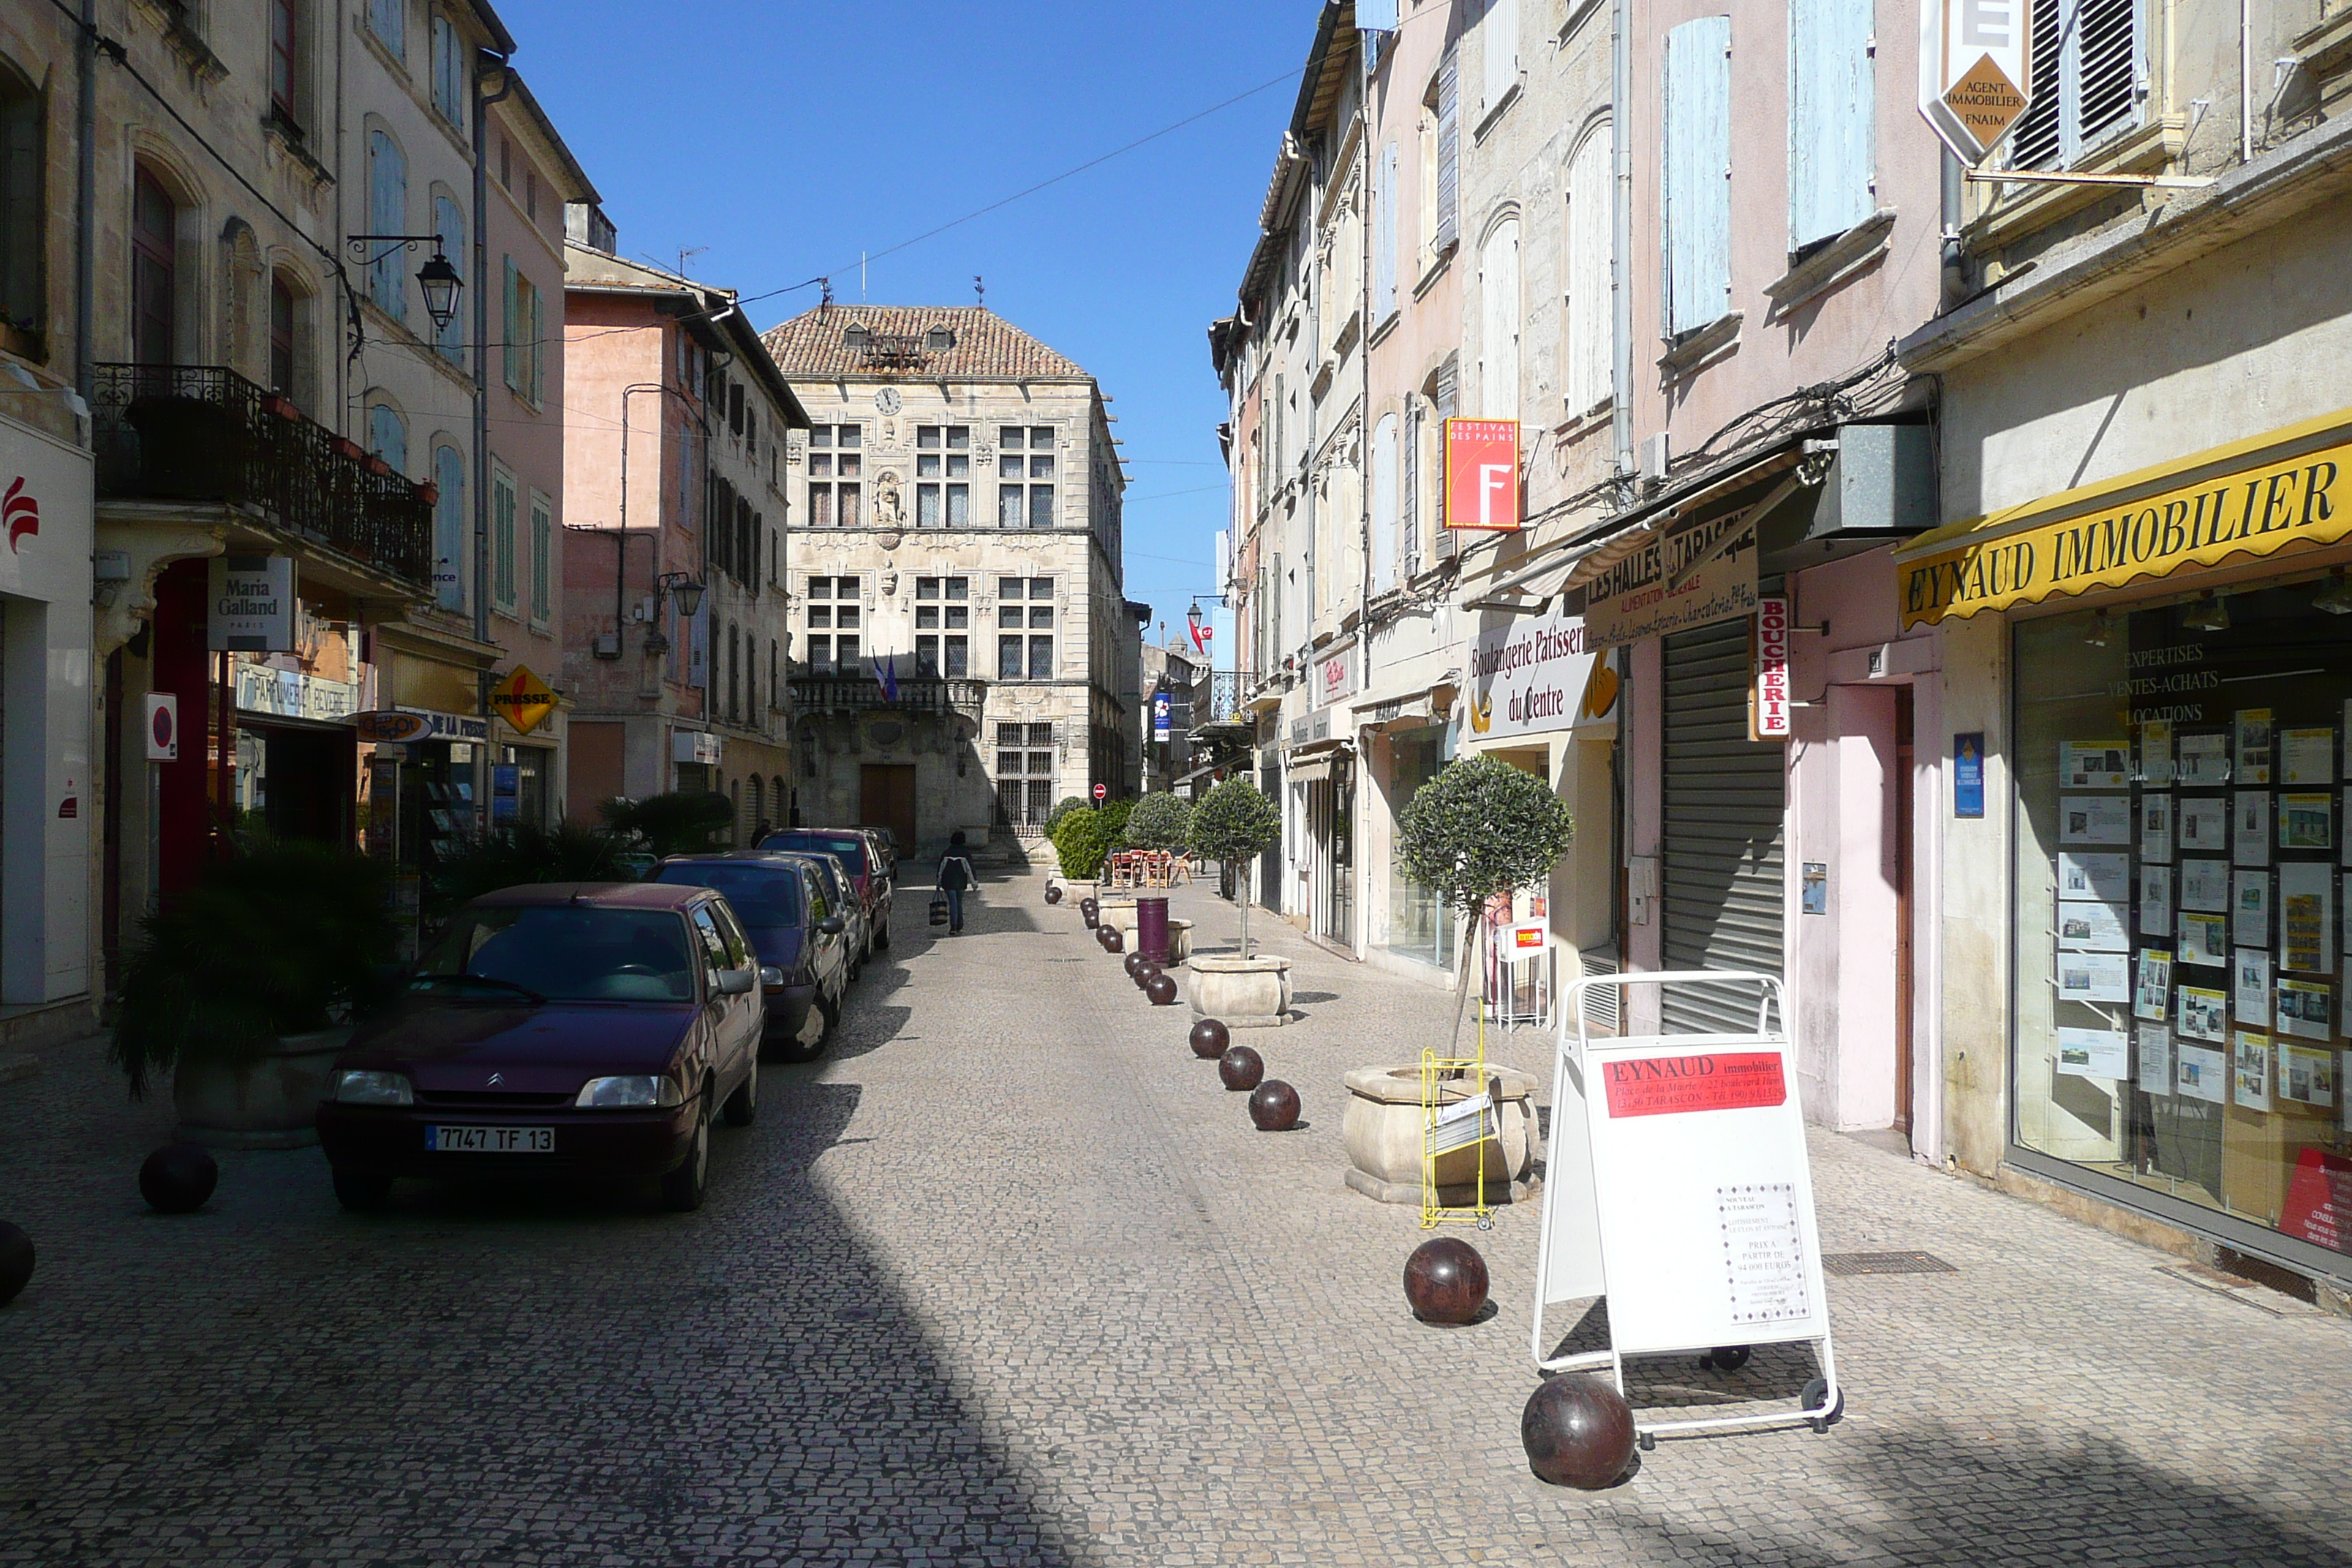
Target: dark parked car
565, 1029
840, 899
860, 862
890, 839
802, 944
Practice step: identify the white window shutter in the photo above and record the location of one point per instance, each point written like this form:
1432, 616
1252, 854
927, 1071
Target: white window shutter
1697, 172
1832, 104
1591, 324
1501, 30
1449, 149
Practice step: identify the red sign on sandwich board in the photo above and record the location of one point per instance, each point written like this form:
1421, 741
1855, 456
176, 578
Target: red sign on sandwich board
1482, 475
1719, 1080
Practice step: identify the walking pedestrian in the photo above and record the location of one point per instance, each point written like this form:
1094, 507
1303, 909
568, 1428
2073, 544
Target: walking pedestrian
956, 878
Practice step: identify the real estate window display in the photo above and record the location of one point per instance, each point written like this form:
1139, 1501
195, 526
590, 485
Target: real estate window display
2183, 773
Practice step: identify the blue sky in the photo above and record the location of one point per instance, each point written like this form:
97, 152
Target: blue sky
784, 140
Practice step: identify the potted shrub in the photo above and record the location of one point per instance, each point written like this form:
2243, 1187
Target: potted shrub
243, 988
511, 857
1479, 831
1234, 823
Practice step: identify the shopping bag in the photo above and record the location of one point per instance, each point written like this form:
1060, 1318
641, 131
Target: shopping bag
939, 909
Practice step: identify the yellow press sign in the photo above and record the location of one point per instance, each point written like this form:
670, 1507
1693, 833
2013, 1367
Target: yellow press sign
522, 699
2129, 531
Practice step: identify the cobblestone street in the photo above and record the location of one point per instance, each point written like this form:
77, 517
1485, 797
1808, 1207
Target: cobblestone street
1008, 1278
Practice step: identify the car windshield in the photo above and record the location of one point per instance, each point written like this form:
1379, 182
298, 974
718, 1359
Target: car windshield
762, 895
850, 850
565, 952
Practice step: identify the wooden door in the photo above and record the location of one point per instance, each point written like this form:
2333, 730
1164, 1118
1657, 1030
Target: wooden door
599, 755
886, 798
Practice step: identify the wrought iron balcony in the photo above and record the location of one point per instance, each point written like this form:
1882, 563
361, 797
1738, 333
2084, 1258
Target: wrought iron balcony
1229, 690
864, 694
203, 432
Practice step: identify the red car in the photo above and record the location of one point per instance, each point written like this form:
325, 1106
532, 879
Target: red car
564, 1030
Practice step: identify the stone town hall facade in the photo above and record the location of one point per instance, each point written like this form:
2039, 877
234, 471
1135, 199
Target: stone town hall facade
962, 649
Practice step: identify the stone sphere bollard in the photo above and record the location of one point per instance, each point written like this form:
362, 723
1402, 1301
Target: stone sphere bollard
1089, 911
1445, 1280
1053, 892
1210, 1038
1160, 988
1274, 1105
15, 1261
178, 1178
1111, 941
1577, 1432
1241, 1068
1134, 967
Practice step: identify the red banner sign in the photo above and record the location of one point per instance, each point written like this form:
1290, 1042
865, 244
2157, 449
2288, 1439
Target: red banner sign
2319, 1200
1482, 475
1774, 717
1665, 1086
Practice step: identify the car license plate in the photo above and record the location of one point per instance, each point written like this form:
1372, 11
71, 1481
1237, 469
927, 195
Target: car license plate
490, 1139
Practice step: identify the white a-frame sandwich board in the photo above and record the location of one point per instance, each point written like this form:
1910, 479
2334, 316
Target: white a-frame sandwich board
1677, 1186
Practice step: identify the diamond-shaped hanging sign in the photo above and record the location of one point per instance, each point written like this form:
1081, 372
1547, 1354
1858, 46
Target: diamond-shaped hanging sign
1986, 101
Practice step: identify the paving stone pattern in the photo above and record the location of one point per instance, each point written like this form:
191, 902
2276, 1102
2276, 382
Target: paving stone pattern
1008, 1278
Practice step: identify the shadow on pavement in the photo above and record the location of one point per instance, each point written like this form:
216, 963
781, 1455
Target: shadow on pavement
500, 1376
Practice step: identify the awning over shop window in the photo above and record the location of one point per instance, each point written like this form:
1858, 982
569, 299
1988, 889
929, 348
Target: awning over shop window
2289, 490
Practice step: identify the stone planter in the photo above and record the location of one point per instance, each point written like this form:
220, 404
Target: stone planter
272, 1105
1180, 940
1074, 893
1119, 913
1241, 993
1382, 1129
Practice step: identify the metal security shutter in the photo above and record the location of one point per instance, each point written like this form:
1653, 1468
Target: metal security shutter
1721, 853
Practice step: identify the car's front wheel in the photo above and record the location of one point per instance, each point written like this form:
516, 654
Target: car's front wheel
742, 1107
683, 1189
362, 1194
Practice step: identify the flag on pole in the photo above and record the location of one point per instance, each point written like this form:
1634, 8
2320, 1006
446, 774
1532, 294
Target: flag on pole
886, 672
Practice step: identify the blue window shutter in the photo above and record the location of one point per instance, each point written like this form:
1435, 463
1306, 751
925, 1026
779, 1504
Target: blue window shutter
1697, 172
510, 327
1831, 105
1376, 15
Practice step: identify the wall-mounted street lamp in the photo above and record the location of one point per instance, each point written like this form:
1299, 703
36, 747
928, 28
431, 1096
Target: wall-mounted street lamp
684, 589
438, 277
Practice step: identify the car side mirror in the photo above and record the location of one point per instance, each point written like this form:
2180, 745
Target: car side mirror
737, 982
831, 925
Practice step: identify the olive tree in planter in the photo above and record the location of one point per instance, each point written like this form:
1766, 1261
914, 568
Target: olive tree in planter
1234, 823
1160, 822
242, 987
1478, 831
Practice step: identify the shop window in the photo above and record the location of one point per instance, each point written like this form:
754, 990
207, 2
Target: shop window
2180, 926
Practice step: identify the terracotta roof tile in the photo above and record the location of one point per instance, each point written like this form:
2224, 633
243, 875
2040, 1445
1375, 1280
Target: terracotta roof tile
813, 346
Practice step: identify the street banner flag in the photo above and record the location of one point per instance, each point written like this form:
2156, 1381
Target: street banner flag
1482, 475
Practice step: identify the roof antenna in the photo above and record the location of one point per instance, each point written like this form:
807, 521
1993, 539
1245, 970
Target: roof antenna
979, 291
825, 306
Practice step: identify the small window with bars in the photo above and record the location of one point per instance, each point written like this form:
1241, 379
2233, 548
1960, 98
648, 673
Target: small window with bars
1024, 772
837, 468
1024, 472
943, 476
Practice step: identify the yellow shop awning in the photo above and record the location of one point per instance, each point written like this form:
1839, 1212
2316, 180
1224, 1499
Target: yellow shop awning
2290, 489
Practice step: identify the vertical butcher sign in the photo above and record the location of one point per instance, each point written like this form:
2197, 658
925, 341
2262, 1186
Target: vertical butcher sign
1975, 71
1770, 709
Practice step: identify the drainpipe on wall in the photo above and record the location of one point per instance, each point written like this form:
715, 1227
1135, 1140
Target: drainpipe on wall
1955, 271
482, 103
86, 197
1621, 241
